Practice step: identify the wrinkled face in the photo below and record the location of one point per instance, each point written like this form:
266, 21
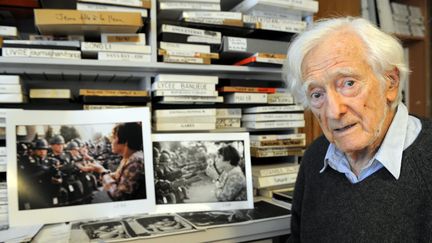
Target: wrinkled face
344, 94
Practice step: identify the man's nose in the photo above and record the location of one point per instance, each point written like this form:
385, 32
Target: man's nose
336, 105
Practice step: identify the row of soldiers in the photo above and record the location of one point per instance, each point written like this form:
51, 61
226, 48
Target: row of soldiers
49, 176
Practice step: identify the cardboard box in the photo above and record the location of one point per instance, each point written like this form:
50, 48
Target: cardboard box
76, 22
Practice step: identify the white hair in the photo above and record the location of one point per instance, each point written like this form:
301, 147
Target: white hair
383, 53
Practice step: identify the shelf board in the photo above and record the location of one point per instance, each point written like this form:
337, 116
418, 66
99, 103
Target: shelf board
408, 38
47, 66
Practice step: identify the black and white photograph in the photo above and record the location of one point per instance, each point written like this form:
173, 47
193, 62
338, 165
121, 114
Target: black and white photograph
129, 228
202, 171
263, 210
100, 161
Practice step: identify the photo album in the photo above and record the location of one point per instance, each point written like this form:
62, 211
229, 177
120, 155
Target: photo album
87, 165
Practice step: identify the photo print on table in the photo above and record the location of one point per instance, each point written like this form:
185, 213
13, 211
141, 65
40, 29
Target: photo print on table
70, 165
202, 171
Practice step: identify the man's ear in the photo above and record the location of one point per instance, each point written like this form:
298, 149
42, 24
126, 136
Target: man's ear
392, 84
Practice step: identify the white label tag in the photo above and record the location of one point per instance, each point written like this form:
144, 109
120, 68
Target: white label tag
71, 189
88, 177
237, 44
165, 200
55, 200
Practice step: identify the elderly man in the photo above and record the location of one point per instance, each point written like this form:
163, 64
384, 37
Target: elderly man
369, 178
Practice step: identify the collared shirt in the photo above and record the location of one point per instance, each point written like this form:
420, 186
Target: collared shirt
403, 130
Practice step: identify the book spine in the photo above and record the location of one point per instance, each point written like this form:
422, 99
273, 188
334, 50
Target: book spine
41, 53
189, 6
204, 40
185, 93
50, 93
201, 119
264, 109
184, 126
100, 7
182, 86
10, 79
212, 15
280, 99
228, 113
236, 44
12, 98
274, 124
191, 99
303, 5
228, 123
264, 153
188, 54
187, 78
273, 117
190, 31
110, 47
122, 56
277, 137
280, 27
10, 88
286, 143
192, 60
3, 151
185, 112
245, 98
130, 3
103, 92
23, 43
247, 89
101, 107
289, 169
135, 39
8, 31
184, 47
260, 182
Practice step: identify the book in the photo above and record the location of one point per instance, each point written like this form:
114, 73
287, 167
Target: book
118, 93
158, 85
92, 48
100, 107
275, 169
228, 113
10, 88
189, 60
191, 1
171, 53
275, 152
56, 37
243, 89
306, 6
189, 6
245, 98
183, 126
50, 94
185, 93
8, 31
263, 59
273, 116
40, 53
279, 143
101, 7
184, 47
43, 44
186, 119
66, 22
280, 98
385, 16
274, 124
167, 28
228, 123
187, 78
130, 3
278, 108
123, 56
189, 99
276, 180
215, 21
213, 15
185, 112
133, 39
10, 79
285, 195
12, 98
272, 137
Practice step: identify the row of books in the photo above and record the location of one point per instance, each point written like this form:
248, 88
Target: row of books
394, 17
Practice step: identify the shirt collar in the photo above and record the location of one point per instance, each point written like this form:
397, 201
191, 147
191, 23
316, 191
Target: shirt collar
390, 152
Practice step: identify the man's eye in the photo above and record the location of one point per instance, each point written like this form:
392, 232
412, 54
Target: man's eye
349, 83
316, 95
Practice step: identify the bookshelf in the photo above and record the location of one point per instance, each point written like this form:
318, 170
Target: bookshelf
420, 87
87, 73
